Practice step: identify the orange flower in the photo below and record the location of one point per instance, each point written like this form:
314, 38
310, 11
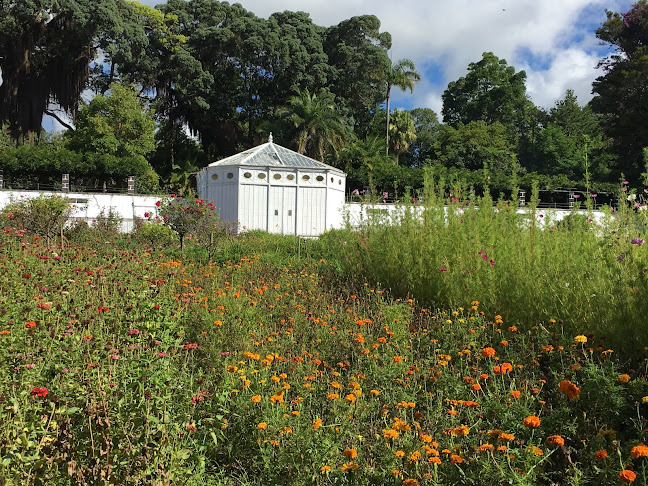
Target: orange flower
317, 424
476, 387
351, 398
262, 426
536, 451
623, 378
349, 466
456, 459
515, 394
506, 437
532, 422
601, 455
434, 460
256, 398
555, 440
325, 469
350, 453
30, 324
488, 352
569, 389
410, 482
639, 451
627, 476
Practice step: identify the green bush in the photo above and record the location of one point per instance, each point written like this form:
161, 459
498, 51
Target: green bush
44, 216
154, 235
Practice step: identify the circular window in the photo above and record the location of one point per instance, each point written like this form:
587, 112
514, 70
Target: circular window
261, 176
319, 178
247, 175
306, 178
277, 176
230, 175
215, 177
290, 177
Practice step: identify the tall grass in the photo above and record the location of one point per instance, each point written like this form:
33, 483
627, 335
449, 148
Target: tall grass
526, 267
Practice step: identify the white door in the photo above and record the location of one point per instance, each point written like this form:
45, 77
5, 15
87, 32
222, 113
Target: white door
281, 210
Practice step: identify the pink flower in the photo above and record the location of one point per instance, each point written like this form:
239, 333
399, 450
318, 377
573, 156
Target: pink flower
162, 355
443, 269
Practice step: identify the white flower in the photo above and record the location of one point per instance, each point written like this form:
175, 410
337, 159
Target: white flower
632, 197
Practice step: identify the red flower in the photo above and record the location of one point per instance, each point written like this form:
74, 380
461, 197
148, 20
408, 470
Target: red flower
39, 391
191, 346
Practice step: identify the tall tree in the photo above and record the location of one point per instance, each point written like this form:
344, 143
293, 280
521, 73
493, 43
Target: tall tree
402, 75
357, 52
46, 47
317, 122
491, 92
115, 133
572, 142
621, 94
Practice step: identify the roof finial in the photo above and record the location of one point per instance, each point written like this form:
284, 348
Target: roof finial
270, 138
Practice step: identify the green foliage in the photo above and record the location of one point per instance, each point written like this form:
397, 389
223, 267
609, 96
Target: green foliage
526, 267
491, 92
44, 216
402, 132
46, 47
620, 93
154, 235
317, 122
476, 146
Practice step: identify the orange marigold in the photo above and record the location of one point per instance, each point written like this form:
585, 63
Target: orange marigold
601, 455
488, 352
532, 421
350, 453
515, 394
639, 451
623, 378
627, 476
569, 389
555, 440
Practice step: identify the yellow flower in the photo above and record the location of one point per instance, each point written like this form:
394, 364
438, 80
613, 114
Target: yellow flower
325, 469
256, 398
580, 339
349, 466
262, 426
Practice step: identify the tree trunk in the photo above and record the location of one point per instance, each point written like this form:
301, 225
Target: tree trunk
387, 131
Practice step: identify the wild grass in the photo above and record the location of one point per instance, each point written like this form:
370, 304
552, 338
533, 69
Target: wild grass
590, 273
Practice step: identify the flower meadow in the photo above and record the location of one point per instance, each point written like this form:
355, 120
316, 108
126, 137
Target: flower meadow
125, 364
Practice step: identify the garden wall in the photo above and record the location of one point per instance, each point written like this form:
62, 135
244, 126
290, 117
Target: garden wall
89, 206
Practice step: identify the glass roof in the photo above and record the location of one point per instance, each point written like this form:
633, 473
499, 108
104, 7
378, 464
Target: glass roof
271, 155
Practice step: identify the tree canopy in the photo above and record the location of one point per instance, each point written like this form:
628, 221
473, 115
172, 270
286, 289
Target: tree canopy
621, 93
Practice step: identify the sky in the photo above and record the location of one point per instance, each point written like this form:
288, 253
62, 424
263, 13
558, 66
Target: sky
554, 41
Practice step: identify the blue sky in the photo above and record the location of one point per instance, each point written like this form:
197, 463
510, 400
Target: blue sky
554, 41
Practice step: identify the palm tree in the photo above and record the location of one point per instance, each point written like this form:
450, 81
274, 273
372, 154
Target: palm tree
402, 75
317, 120
403, 132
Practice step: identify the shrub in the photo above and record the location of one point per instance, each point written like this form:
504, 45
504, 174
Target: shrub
44, 216
153, 235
